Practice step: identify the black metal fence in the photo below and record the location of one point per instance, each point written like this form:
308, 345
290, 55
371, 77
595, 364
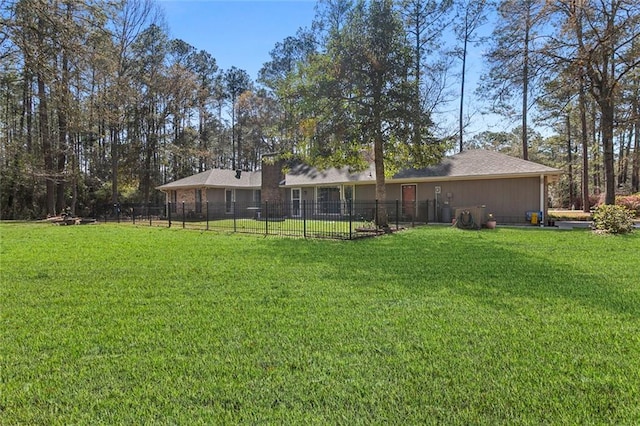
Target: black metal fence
308, 219
333, 219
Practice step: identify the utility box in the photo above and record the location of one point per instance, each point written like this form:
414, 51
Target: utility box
534, 217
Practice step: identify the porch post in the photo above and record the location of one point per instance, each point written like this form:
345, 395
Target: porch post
542, 203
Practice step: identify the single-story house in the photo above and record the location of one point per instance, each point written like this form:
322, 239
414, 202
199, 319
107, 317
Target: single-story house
510, 188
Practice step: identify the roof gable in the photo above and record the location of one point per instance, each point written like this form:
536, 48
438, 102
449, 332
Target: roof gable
217, 178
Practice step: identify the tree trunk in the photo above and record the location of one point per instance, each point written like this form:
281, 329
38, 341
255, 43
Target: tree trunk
43, 116
623, 165
597, 173
62, 132
378, 154
572, 195
381, 190
635, 170
115, 135
607, 123
525, 88
586, 204
461, 118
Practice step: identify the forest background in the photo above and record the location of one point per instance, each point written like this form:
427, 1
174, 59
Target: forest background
99, 105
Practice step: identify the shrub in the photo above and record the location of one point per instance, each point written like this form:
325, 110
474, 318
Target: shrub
613, 219
631, 202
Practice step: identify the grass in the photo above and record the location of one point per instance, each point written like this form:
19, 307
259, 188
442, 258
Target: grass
127, 325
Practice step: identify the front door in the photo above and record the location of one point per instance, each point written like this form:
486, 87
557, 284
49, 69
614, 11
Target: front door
409, 206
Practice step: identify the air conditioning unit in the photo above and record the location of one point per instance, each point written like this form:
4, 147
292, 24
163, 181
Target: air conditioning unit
478, 214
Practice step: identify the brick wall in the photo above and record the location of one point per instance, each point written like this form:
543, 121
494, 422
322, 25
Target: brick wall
188, 196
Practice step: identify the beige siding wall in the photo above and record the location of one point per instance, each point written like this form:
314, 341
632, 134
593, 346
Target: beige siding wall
365, 193
215, 195
244, 195
507, 199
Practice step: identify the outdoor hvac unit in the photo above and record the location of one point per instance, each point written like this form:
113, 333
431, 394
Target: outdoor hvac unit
478, 213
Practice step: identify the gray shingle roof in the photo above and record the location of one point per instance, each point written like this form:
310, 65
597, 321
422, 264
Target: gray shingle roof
467, 164
479, 163
303, 174
217, 178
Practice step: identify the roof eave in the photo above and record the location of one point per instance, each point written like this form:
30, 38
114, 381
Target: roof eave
473, 177
554, 175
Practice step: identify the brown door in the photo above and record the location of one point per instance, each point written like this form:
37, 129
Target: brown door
408, 202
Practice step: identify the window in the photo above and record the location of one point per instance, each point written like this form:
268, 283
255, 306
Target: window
328, 200
229, 198
295, 202
347, 192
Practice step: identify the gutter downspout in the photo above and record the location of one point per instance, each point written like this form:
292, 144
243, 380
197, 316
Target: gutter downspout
542, 203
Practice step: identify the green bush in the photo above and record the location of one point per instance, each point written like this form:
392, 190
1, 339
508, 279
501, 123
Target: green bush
631, 202
613, 219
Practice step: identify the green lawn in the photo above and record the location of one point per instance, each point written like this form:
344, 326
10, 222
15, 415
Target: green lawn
126, 325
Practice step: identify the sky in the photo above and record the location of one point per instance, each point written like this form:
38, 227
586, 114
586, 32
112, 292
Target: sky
241, 33
238, 33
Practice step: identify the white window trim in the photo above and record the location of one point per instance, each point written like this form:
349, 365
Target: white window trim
233, 200
299, 201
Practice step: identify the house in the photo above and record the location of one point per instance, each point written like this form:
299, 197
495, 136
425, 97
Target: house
512, 189
217, 187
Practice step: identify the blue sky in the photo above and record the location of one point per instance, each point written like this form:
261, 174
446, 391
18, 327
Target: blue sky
238, 33
241, 33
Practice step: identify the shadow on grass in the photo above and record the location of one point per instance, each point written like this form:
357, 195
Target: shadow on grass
484, 267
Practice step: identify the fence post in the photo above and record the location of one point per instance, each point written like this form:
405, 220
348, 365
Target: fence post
350, 219
183, 218
233, 206
304, 218
207, 213
266, 218
415, 213
149, 213
169, 213
133, 215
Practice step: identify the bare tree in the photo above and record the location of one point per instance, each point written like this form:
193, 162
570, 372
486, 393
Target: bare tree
513, 59
605, 34
471, 15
